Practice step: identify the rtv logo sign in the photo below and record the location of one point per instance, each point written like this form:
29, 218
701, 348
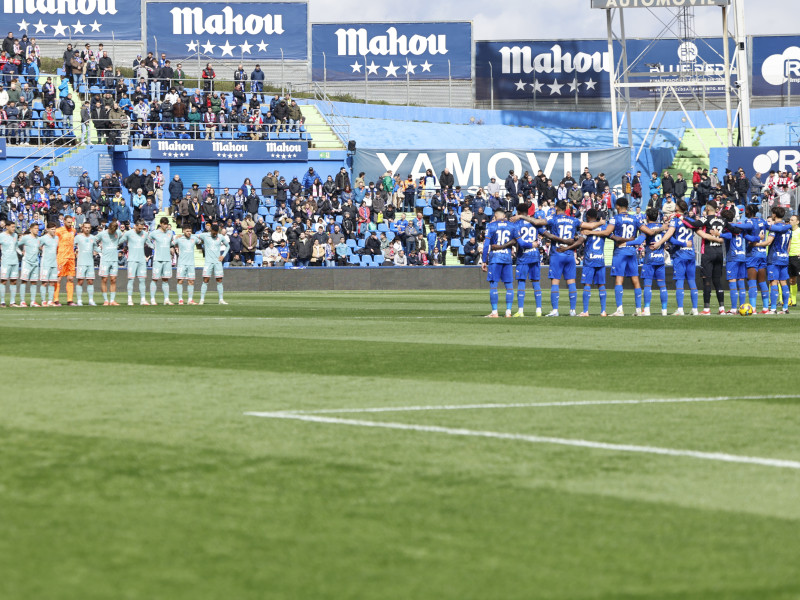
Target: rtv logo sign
775, 160
780, 68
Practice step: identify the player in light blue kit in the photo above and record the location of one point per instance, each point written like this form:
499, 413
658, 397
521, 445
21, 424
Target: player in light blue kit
684, 263
528, 265
85, 245
653, 267
9, 263
186, 267
48, 244
215, 246
161, 242
780, 234
108, 241
29, 245
137, 264
756, 258
594, 265
622, 229
497, 260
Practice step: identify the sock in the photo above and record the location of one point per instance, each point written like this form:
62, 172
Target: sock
521, 295
190, 287
648, 292
618, 295
602, 294
773, 296
742, 294
165, 290
57, 290
113, 295
51, 294
152, 291
493, 295
573, 296
204, 287
141, 288
587, 292
706, 293
90, 291
637, 294
22, 289
13, 292
554, 296
105, 296
693, 294
70, 290
3, 293
765, 293
80, 293
537, 293
179, 287
130, 289
752, 292
33, 293
793, 290
509, 297
734, 294
679, 293
785, 292
664, 295
721, 297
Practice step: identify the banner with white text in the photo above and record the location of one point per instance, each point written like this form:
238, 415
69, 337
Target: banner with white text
68, 20
229, 150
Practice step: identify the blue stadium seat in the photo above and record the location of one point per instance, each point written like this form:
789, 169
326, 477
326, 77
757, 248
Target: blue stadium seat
455, 243
427, 211
258, 260
440, 227
390, 235
263, 211
383, 227
351, 244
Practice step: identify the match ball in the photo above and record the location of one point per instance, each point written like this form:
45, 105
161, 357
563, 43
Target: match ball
745, 310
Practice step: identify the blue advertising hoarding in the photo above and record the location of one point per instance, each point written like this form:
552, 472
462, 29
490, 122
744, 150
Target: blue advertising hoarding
237, 30
776, 65
72, 19
2, 147
563, 68
230, 150
391, 51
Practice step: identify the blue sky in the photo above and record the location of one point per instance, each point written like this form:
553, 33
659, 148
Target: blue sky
549, 19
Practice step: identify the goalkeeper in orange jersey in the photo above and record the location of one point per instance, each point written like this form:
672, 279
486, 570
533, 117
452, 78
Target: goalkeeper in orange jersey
66, 258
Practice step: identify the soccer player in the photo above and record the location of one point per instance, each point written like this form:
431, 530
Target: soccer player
711, 256
736, 271
594, 266
683, 263
215, 246
161, 242
496, 261
137, 264
109, 241
9, 263
29, 245
622, 229
654, 260
66, 258
528, 265
186, 267
756, 258
48, 244
85, 245
780, 234
794, 258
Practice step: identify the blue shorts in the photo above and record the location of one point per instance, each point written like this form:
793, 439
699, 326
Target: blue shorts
756, 262
562, 265
624, 265
684, 268
528, 271
593, 275
657, 272
500, 272
735, 270
777, 272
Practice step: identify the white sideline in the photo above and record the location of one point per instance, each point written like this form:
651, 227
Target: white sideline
534, 439
382, 409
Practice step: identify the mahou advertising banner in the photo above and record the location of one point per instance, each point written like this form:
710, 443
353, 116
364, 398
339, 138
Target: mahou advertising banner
68, 20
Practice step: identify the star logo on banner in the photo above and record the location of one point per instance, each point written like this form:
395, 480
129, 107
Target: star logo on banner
555, 87
230, 155
40, 27
262, 47
59, 29
356, 66
536, 86
574, 85
372, 68
245, 47
426, 66
79, 27
208, 47
23, 25
95, 26
590, 84
520, 86
192, 46
409, 66
227, 49
391, 69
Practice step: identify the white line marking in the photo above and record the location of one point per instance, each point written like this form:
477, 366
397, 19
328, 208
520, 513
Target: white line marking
383, 409
534, 439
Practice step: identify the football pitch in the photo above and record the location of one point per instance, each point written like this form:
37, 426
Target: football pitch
395, 445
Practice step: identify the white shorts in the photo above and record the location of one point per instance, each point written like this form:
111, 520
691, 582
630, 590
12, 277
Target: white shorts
136, 269
162, 269
29, 272
49, 274
186, 272
85, 272
12, 271
108, 269
210, 270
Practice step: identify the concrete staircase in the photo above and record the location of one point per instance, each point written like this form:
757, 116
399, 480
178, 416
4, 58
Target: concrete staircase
323, 137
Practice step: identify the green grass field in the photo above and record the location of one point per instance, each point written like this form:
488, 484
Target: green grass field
130, 470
